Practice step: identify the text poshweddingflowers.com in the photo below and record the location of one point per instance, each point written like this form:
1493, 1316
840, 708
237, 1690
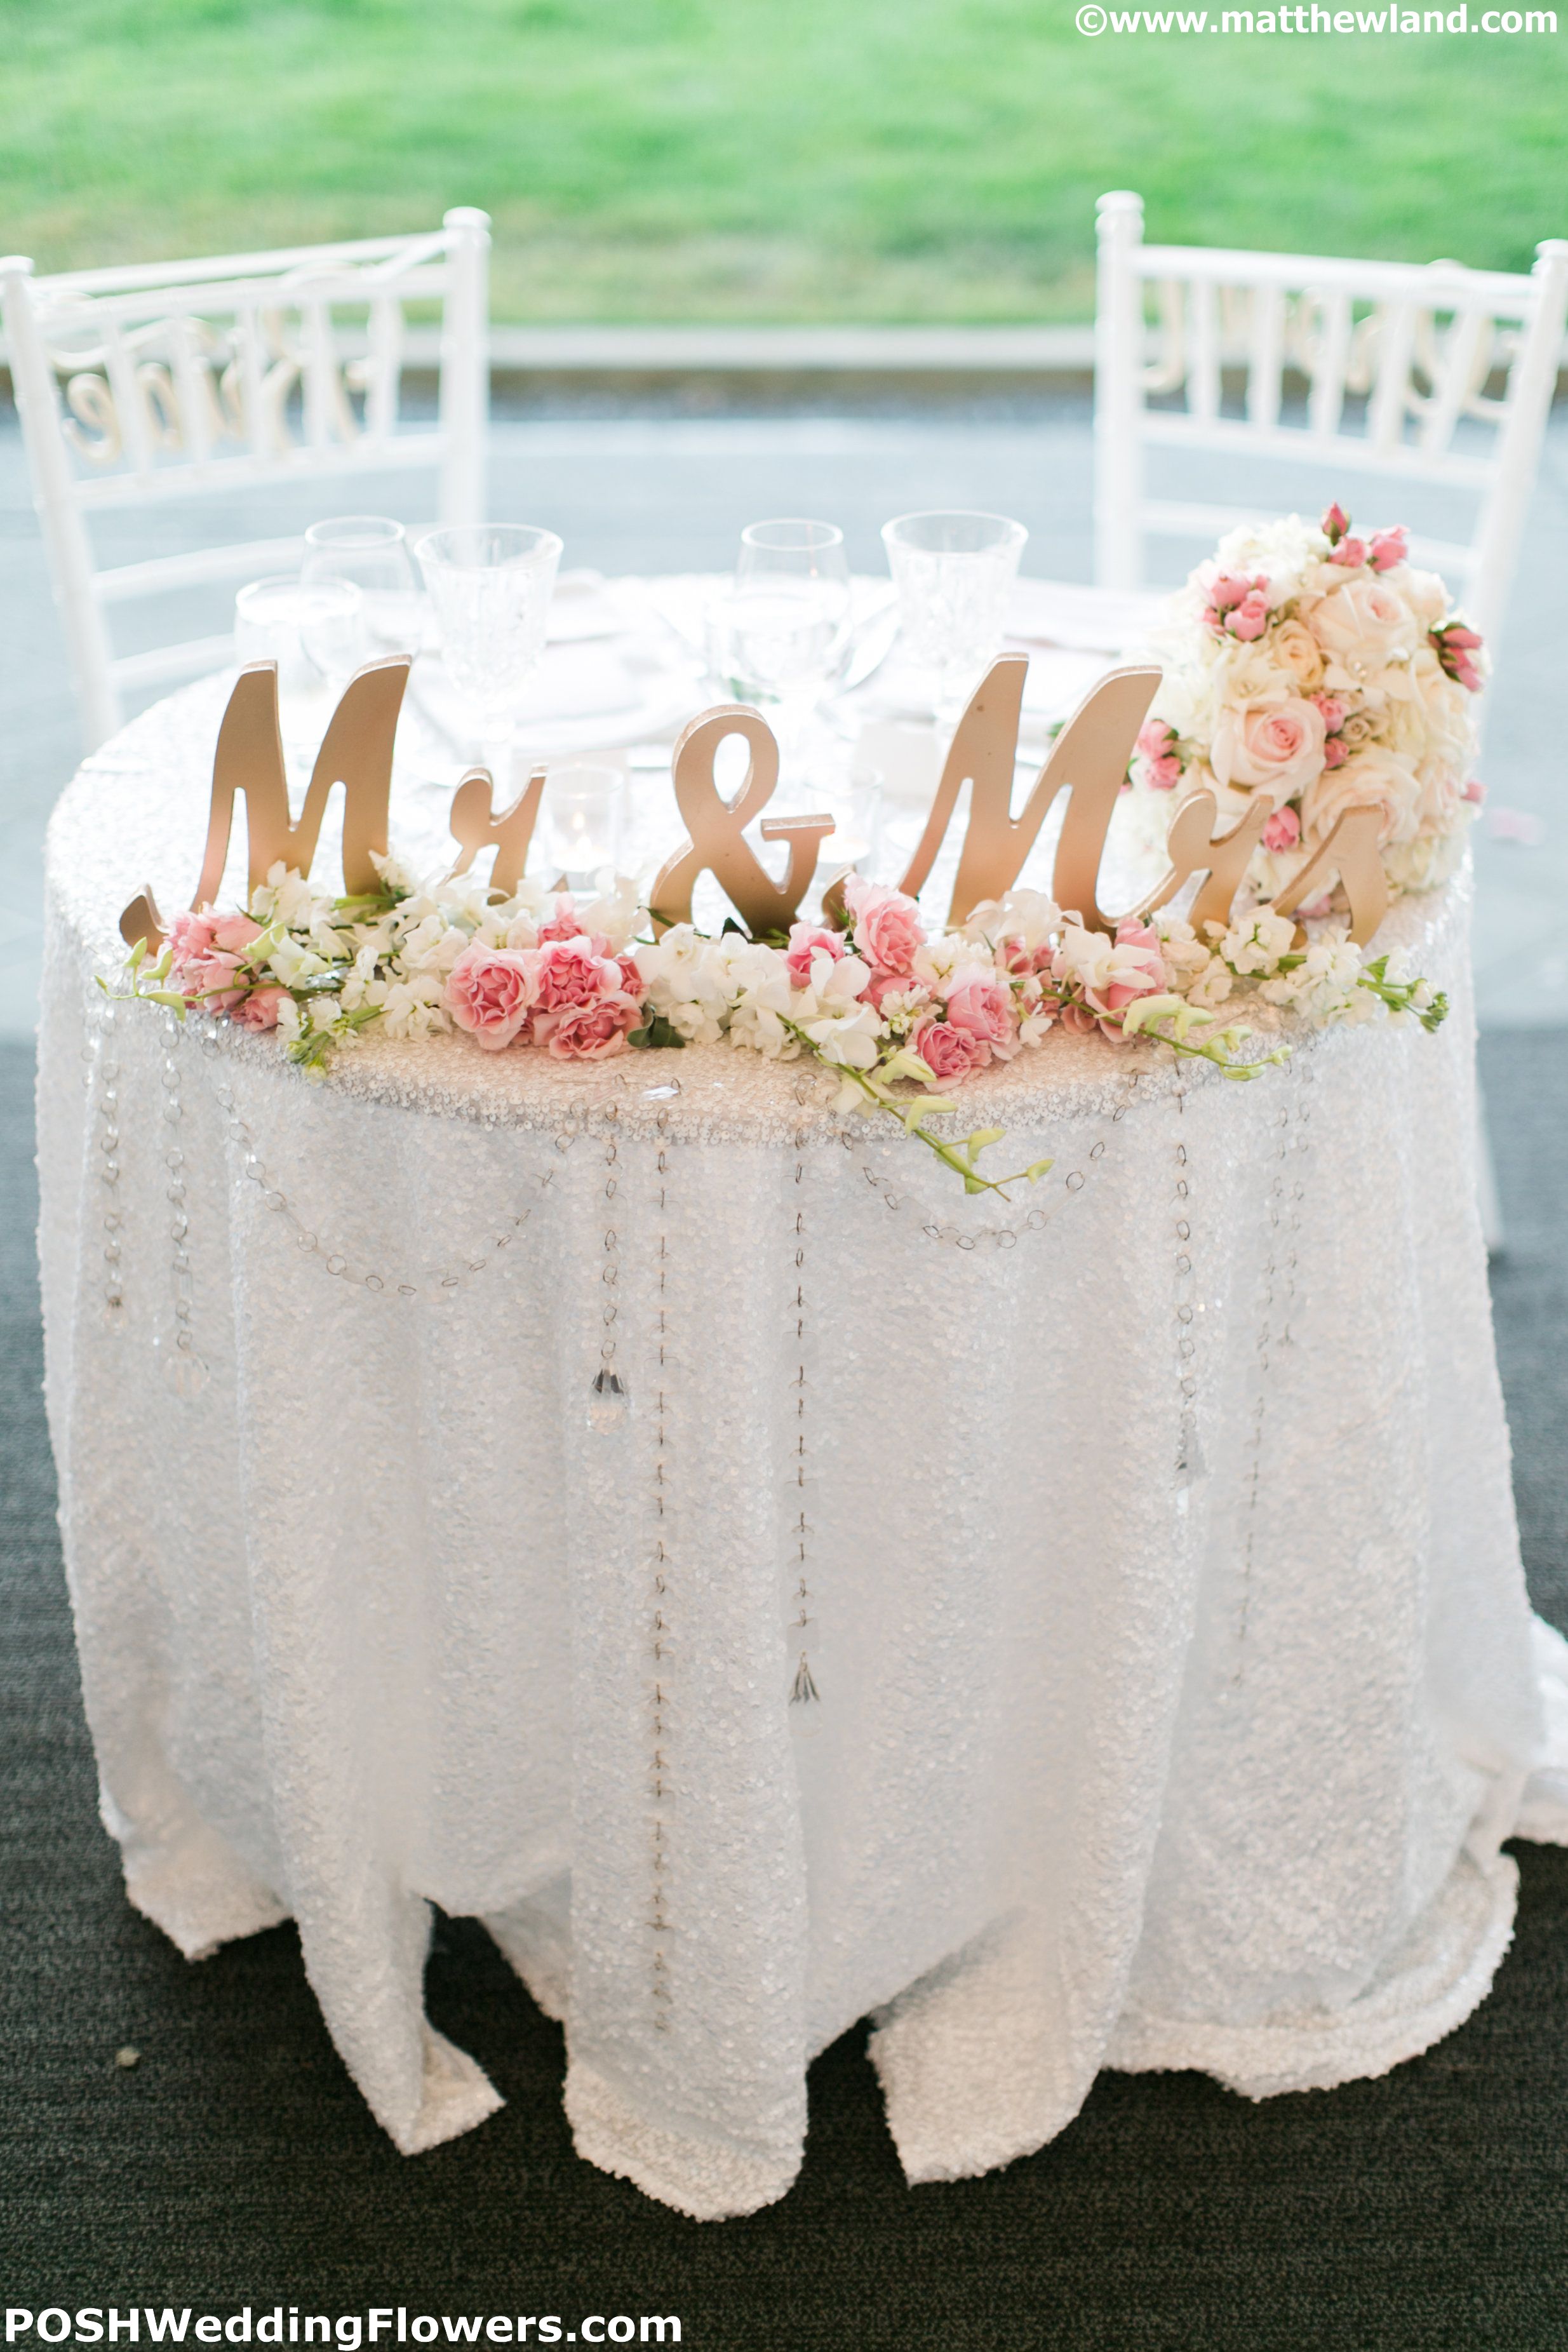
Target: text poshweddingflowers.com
285, 2324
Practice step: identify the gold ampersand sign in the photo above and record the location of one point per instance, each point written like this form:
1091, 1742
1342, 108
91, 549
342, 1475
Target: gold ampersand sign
715, 828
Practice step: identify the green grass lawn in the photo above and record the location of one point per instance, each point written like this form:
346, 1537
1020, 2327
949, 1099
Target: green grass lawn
761, 159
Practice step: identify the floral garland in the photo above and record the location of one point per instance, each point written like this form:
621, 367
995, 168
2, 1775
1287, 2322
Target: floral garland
902, 1016
1326, 671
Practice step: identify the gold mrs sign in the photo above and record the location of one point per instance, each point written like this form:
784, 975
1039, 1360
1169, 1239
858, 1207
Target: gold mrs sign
1088, 761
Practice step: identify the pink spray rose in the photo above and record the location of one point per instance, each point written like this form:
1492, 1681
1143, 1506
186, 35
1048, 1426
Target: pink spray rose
886, 925
1283, 829
1156, 749
261, 1008
1350, 553
1335, 523
1389, 548
591, 1033
948, 1052
488, 993
1454, 646
1237, 607
806, 940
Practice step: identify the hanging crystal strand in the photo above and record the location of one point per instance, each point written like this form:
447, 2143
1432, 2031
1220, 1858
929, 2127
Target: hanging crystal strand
607, 1403
1189, 1463
801, 1627
1286, 1194
183, 1370
102, 1064
661, 1787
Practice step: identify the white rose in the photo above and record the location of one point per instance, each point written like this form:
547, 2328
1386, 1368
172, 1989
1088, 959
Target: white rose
1368, 780
1424, 592
1295, 648
1363, 625
1276, 747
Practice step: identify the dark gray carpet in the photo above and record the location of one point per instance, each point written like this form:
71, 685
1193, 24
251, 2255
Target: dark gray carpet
236, 2163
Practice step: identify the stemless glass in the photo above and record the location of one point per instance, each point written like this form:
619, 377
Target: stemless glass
372, 551
953, 572
312, 633
782, 635
490, 584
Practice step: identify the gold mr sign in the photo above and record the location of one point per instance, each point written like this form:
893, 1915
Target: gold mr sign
1088, 761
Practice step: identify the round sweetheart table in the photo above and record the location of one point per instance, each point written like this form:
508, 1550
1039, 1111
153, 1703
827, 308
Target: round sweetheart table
635, 1506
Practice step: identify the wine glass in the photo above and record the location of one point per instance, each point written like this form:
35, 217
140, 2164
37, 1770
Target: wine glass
490, 585
372, 551
312, 631
781, 635
953, 572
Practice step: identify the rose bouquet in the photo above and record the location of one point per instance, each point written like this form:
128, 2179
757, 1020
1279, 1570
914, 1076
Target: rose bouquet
1326, 671
902, 1017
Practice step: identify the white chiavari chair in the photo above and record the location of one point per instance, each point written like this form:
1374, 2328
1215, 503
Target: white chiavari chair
1420, 374
1432, 377
140, 385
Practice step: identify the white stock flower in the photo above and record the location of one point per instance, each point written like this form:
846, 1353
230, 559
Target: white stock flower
291, 961
615, 914
1255, 945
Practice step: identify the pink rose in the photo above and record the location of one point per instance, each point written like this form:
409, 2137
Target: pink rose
261, 1008
591, 1033
1332, 709
887, 928
568, 971
193, 933
806, 940
892, 983
1335, 523
1250, 617
1388, 548
1283, 829
983, 1008
563, 923
949, 1054
488, 993
232, 934
1350, 553
209, 956
1337, 752
1078, 1021
1276, 747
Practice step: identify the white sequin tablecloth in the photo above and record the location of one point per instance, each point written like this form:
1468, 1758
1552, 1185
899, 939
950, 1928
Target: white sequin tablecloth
1176, 1681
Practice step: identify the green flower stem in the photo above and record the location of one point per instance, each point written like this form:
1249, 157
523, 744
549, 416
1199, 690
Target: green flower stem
960, 1156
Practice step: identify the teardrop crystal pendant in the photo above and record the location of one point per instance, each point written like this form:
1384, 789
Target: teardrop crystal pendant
607, 1399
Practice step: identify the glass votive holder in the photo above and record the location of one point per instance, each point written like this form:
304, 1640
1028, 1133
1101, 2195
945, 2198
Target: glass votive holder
584, 811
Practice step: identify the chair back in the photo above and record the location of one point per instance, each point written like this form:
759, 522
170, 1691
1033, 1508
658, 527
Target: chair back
137, 385
1429, 373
